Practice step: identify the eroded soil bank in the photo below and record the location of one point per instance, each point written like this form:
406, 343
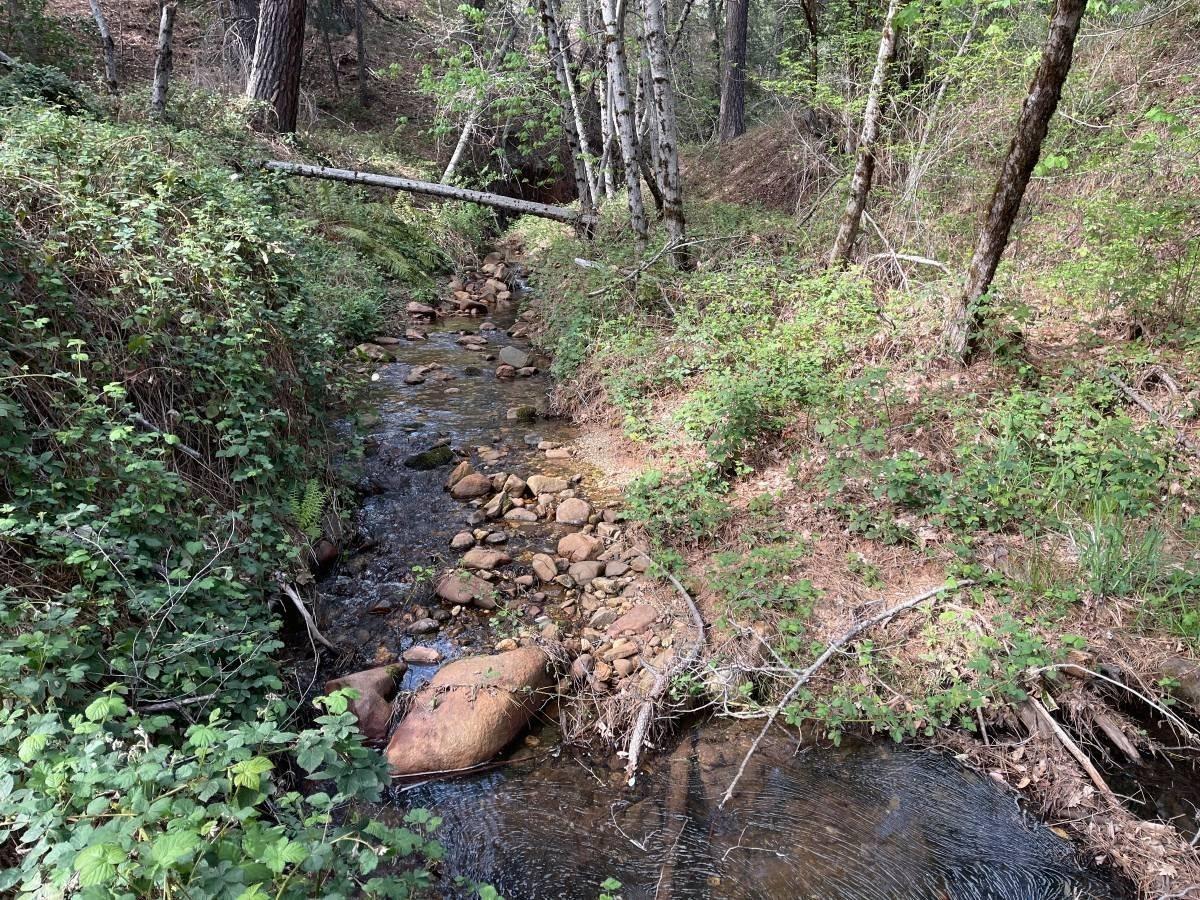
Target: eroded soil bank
554, 815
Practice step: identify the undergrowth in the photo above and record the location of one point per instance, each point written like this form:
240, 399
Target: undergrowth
171, 338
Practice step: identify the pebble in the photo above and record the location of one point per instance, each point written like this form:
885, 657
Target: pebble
421, 656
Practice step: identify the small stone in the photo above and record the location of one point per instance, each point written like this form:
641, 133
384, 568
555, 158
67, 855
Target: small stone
460, 588
527, 371
624, 667
421, 656
420, 309
469, 486
433, 458
543, 567
423, 626
583, 666
602, 618
579, 547
550, 632
414, 377
497, 506
573, 512
506, 644
558, 453
514, 486
520, 515
458, 473
637, 619
415, 334
616, 569
497, 537
548, 445
372, 352
621, 651
546, 484
506, 372
513, 357
464, 540
640, 563
523, 413
482, 558
525, 580
583, 572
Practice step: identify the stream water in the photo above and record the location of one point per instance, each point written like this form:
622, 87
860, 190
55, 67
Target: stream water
859, 823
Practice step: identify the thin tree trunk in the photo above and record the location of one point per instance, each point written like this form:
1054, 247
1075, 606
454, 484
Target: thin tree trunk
464, 138
1023, 153
577, 112
360, 44
549, 14
662, 101
333, 72
732, 120
864, 166
162, 62
618, 76
278, 56
110, 47
432, 189
243, 28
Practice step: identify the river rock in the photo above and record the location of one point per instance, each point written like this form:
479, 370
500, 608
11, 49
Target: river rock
523, 413
375, 687
583, 572
462, 541
372, 352
602, 618
579, 547
422, 656
498, 506
415, 334
546, 484
506, 372
1186, 672
582, 667
496, 537
423, 626
462, 588
615, 569
482, 558
558, 453
637, 619
414, 377
624, 667
573, 512
511, 356
421, 310
433, 458
543, 567
527, 371
514, 486
458, 473
520, 514
469, 711
469, 486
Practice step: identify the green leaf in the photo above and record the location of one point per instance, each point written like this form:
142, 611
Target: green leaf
97, 864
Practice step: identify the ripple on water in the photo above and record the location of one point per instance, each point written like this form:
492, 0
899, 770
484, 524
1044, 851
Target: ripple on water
869, 823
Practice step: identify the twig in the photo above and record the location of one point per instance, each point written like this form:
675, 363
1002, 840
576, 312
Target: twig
1180, 435
908, 257
1071, 747
830, 649
313, 632
164, 705
146, 423
1184, 729
661, 681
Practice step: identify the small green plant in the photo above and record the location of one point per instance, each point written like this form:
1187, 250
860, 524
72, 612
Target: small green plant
683, 507
307, 505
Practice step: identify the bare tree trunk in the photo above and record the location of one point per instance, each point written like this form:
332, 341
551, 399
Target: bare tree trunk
618, 76
607, 166
109, 46
333, 72
162, 62
583, 184
732, 121
360, 44
278, 56
864, 166
576, 108
243, 28
662, 101
1023, 153
464, 138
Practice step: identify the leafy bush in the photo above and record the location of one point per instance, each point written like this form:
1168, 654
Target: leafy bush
169, 344
681, 507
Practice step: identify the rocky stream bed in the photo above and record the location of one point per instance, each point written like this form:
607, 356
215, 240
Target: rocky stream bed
493, 587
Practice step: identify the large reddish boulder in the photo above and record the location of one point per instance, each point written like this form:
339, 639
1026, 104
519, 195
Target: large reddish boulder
470, 711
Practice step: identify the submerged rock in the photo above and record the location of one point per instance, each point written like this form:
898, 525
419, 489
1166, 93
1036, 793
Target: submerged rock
462, 588
433, 458
469, 712
511, 356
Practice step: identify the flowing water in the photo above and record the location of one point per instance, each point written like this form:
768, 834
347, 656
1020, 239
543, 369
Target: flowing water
861, 823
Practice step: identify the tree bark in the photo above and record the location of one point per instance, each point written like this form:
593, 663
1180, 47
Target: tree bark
433, 189
864, 166
622, 103
109, 46
1023, 153
572, 120
732, 120
360, 45
278, 56
163, 61
662, 103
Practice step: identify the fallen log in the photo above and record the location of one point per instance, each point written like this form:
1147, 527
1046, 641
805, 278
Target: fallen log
432, 189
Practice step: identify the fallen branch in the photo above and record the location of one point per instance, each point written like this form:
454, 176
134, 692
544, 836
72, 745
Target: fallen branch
1065, 739
432, 189
831, 648
177, 705
314, 633
661, 682
1181, 436
908, 257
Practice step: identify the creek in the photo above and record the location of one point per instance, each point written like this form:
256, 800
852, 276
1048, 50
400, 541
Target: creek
861, 822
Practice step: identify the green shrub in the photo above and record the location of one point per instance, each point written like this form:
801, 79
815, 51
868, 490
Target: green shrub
681, 507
